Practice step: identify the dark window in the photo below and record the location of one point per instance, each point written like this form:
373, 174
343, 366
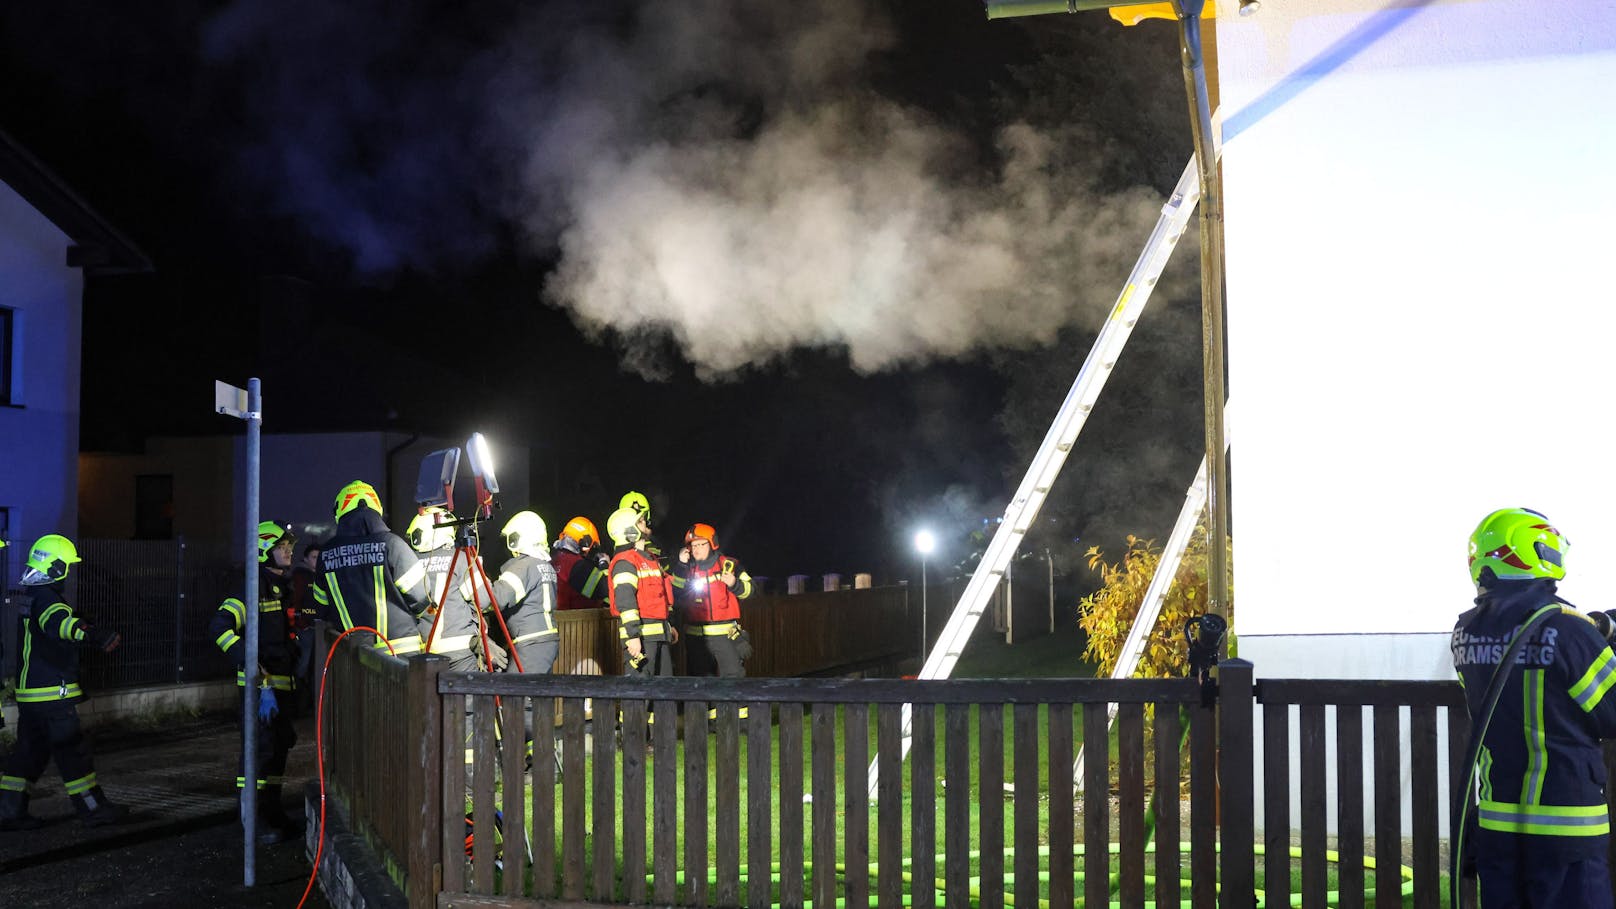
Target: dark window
6, 340
154, 507
5, 530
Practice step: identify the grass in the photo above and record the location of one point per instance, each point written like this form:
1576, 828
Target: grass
1047, 656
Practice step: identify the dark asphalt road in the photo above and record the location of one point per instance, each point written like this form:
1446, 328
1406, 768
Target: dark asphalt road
182, 844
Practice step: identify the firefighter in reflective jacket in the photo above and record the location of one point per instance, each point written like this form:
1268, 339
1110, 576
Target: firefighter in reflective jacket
48, 692
640, 505
580, 566
277, 666
526, 594
708, 587
368, 577
641, 596
1543, 824
432, 535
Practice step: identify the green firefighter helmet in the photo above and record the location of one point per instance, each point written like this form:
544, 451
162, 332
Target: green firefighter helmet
623, 526
1515, 543
49, 558
430, 529
638, 502
525, 534
270, 535
355, 494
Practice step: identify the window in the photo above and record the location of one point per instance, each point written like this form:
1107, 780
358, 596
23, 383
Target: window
7, 338
5, 529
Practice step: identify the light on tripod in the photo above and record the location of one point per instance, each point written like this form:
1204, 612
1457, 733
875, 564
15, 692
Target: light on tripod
482, 461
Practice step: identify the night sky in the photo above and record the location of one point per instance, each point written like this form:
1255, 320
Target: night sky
815, 273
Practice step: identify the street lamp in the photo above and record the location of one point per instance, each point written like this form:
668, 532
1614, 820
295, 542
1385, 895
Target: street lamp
924, 544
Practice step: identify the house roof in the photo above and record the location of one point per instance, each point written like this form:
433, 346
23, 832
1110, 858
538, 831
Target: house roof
98, 247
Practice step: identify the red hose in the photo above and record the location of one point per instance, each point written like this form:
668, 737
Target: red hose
319, 750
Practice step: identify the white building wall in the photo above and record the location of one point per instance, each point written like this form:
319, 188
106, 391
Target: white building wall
39, 431
1420, 312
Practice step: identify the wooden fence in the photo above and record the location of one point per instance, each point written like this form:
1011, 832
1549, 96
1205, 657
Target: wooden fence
666, 792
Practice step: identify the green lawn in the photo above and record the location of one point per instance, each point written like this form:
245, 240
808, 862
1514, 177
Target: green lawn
1047, 656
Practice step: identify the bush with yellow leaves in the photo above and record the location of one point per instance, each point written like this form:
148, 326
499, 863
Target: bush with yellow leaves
1108, 613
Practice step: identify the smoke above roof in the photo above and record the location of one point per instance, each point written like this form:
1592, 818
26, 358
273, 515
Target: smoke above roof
717, 172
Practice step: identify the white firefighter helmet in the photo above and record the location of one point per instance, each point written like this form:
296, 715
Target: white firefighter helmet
525, 534
430, 529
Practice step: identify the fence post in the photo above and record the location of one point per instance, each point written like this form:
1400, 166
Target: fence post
1235, 772
179, 609
424, 778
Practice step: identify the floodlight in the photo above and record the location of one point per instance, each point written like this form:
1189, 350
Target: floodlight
434, 485
925, 542
482, 461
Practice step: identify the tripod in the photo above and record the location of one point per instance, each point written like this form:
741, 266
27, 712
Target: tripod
466, 546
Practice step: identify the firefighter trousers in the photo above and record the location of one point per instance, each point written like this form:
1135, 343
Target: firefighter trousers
46, 730
709, 654
1519, 875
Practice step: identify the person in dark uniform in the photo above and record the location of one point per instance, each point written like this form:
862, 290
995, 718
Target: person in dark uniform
48, 694
1544, 830
276, 671
369, 577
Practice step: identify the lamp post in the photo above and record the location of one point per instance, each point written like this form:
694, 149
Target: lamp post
924, 544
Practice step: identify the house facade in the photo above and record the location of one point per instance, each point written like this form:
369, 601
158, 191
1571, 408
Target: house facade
50, 242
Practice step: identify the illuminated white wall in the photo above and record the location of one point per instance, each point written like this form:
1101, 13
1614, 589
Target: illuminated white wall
1422, 311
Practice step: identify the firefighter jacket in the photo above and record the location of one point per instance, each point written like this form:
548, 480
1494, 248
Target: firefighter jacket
1541, 772
369, 577
580, 579
702, 596
300, 606
641, 595
277, 652
450, 604
51, 635
526, 595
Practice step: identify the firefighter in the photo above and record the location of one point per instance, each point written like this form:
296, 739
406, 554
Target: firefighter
526, 594
48, 692
369, 577
641, 596
640, 505
1543, 824
580, 566
708, 587
276, 671
432, 535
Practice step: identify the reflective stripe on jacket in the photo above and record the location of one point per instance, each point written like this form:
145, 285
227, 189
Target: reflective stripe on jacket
702, 596
641, 594
1541, 771
51, 634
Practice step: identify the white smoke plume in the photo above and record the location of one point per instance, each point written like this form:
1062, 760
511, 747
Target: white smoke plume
723, 173
810, 212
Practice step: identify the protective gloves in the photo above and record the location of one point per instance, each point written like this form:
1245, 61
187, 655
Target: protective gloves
105, 639
268, 708
496, 655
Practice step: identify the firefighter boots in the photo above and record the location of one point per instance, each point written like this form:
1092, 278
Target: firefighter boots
14, 812
96, 810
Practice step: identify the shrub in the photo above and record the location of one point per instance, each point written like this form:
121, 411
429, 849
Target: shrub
1109, 612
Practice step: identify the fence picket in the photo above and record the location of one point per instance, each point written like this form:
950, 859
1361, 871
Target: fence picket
1169, 743
603, 817
1350, 804
694, 803
990, 839
1388, 807
1096, 807
923, 807
635, 818
855, 795
1131, 803
727, 805
1025, 751
1315, 881
1426, 803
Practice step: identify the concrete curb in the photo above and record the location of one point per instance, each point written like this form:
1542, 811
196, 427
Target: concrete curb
350, 876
